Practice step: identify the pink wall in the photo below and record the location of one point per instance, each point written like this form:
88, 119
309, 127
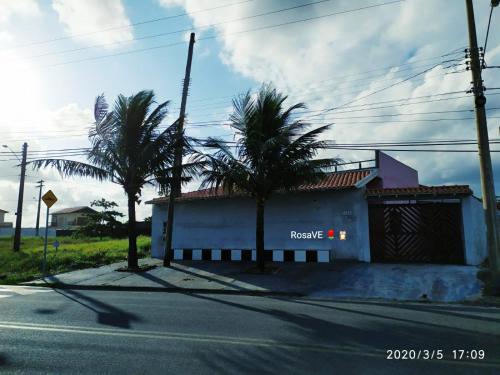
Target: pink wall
394, 173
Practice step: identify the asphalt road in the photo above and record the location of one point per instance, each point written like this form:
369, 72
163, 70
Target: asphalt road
110, 332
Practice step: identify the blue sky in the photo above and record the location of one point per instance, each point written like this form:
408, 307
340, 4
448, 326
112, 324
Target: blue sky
325, 62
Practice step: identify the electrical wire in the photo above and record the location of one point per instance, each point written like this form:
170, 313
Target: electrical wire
145, 37
125, 26
487, 34
215, 36
382, 89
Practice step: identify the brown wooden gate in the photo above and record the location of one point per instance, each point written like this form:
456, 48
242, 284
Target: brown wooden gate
420, 232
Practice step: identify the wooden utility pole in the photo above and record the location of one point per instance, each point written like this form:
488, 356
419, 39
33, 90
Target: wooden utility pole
175, 185
487, 185
40, 186
19, 212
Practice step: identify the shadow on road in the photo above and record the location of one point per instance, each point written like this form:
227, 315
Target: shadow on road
357, 338
45, 311
106, 313
450, 311
3, 361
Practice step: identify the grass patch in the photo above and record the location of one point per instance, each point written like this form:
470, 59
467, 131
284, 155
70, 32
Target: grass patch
73, 254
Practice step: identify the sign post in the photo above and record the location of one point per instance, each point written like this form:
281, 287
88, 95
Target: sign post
49, 199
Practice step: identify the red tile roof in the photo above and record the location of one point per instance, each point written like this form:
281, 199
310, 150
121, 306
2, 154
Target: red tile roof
339, 180
421, 190
333, 181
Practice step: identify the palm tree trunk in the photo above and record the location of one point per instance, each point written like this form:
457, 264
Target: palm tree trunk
259, 234
132, 236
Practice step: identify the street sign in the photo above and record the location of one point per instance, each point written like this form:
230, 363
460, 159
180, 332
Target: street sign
49, 198
55, 244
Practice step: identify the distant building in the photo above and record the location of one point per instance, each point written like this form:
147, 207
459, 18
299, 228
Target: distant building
72, 217
4, 224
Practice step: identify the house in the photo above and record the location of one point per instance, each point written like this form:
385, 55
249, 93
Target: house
4, 224
69, 218
379, 213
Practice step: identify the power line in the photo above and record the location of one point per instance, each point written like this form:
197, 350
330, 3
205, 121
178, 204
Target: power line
487, 34
382, 89
390, 101
215, 36
340, 88
145, 37
360, 108
308, 119
211, 98
125, 26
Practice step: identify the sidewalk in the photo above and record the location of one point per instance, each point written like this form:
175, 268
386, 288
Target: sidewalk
444, 283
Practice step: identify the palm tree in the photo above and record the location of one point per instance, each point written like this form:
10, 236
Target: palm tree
127, 148
274, 152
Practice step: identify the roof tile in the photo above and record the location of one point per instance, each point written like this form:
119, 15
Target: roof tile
421, 190
333, 181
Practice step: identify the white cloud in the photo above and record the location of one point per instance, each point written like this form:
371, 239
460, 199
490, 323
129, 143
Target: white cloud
12, 12
85, 17
63, 128
18, 8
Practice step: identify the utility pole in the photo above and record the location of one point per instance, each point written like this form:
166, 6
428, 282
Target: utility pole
487, 185
175, 185
40, 185
19, 212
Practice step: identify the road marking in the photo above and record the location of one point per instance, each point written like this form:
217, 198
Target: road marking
13, 290
336, 349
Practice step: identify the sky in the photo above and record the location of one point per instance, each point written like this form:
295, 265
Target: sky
378, 70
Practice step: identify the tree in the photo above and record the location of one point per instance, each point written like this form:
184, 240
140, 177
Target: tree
274, 152
102, 223
127, 148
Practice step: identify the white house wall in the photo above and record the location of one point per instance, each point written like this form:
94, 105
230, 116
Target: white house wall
230, 223
474, 229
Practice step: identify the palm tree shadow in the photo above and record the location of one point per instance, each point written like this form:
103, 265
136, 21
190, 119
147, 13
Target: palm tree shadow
314, 328
351, 348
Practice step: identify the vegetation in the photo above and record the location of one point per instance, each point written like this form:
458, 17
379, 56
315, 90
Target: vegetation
72, 254
103, 223
129, 149
274, 152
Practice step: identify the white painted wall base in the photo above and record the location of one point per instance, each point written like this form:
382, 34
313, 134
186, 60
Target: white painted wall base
236, 255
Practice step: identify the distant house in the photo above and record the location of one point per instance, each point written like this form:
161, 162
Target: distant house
72, 217
3, 224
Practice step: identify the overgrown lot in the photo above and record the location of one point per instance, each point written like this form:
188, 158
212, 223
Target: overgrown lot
73, 254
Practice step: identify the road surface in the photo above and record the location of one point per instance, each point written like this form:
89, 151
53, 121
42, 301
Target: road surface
119, 332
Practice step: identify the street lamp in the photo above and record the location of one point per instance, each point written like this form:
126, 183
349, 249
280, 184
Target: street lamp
494, 3
7, 147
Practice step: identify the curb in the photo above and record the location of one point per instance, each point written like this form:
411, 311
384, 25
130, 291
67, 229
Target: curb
165, 289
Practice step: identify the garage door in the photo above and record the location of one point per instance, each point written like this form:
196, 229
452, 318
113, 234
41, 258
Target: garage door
421, 232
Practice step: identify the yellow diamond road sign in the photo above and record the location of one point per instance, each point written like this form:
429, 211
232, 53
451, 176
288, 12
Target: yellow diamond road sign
49, 198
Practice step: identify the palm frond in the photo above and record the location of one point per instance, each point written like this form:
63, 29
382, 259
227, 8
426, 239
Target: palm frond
72, 168
100, 108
